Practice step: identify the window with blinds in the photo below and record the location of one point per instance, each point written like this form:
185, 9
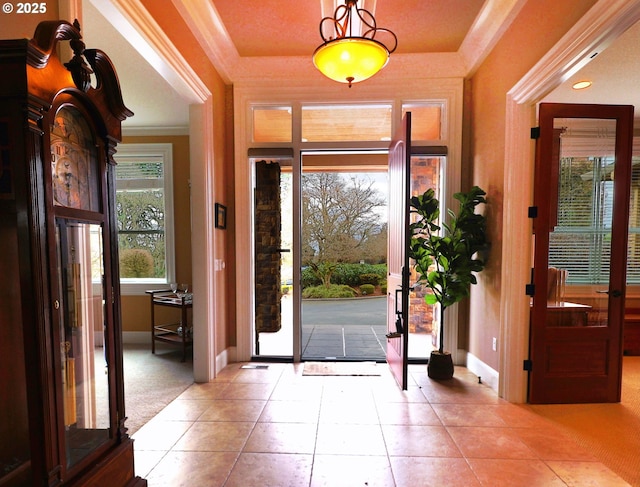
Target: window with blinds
581, 240
144, 211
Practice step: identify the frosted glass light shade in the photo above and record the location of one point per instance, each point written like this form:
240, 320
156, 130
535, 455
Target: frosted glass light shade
350, 60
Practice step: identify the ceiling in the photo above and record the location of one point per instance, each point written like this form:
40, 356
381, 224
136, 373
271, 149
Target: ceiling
276, 28
258, 30
155, 104
615, 74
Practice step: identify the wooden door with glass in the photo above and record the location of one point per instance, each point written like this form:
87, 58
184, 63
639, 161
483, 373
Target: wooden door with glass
581, 214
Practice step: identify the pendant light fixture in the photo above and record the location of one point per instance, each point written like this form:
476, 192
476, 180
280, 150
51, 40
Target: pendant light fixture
349, 58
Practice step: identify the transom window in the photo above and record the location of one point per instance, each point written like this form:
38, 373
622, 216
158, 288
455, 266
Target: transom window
346, 123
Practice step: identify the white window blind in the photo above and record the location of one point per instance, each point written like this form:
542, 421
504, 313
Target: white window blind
581, 240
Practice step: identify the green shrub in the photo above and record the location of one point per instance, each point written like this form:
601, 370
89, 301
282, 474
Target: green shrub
371, 278
333, 291
367, 289
383, 288
347, 274
309, 278
136, 263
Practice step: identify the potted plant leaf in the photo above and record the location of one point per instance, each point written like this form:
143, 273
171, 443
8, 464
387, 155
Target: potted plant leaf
446, 258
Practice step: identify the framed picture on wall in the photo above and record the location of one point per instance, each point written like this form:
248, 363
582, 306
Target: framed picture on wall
221, 216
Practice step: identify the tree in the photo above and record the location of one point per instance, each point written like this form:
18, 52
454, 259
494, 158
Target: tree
136, 263
323, 271
375, 248
141, 225
340, 217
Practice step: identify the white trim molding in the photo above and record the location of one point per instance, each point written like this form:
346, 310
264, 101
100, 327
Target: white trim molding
602, 24
136, 24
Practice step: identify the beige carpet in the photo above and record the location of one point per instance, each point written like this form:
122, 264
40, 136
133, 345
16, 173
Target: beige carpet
342, 368
611, 432
151, 382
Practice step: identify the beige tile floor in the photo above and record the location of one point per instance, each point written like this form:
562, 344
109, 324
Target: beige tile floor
275, 427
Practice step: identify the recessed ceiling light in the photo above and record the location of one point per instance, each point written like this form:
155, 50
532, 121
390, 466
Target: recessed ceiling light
581, 85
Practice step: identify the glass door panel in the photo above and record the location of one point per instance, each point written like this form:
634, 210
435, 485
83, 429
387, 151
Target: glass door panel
85, 382
426, 173
273, 247
581, 223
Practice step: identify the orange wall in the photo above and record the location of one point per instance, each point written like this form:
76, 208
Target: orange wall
22, 26
168, 18
135, 309
539, 25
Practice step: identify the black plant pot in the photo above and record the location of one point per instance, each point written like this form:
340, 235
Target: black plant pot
440, 366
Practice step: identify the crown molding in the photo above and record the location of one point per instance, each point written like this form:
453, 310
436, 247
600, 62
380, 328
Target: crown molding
492, 21
593, 33
137, 25
207, 27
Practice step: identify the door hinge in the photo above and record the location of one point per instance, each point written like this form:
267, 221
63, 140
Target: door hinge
532, 212
527, 365
530, 289
535, 132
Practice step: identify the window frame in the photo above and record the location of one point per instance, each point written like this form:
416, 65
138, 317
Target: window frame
162, 152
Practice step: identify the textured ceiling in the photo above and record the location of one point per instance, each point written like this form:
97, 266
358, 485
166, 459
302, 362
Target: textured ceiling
277, 28
266, 28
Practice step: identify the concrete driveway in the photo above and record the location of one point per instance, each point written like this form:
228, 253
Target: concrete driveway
352, 329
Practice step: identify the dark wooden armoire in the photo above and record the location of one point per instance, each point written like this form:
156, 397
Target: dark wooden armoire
61, 368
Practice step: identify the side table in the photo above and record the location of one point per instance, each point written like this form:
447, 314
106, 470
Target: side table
176, 333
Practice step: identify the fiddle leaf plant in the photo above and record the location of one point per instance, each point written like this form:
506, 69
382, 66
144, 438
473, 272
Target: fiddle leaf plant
446, 254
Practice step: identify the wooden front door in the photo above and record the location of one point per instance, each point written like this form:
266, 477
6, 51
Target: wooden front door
397, 252
581, 193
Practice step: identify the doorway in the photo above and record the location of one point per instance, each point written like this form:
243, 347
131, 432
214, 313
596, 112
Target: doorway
331, 303
344, 317
343, 238
307, 133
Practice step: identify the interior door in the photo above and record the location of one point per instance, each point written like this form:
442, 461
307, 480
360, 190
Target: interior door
397, 252
582, 187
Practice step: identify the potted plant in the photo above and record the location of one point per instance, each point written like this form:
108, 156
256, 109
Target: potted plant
446, 258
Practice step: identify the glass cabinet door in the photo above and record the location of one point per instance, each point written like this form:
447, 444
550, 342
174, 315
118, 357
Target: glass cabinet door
84, 368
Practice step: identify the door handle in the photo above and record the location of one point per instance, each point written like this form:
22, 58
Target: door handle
399, 325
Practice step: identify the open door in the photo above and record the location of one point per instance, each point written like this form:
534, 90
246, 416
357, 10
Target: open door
581, 193
397, 252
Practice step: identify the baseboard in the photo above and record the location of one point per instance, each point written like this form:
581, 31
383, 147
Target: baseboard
488, 375
224, 358
136, 337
